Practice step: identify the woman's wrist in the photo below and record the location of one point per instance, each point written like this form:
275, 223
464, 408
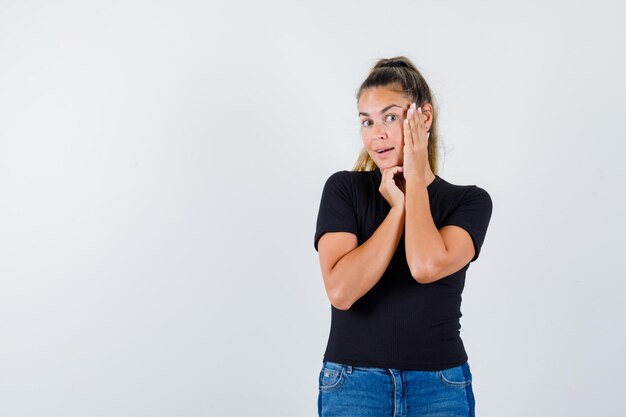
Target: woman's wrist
397, 211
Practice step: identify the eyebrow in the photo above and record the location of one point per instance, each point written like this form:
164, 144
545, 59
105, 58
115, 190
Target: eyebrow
382, 111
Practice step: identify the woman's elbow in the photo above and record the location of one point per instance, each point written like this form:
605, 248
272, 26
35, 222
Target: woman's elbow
339, 300
422, 275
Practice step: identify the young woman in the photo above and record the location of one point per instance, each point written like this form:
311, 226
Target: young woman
395, 241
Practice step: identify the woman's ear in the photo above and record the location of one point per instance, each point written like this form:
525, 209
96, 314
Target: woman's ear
427, 110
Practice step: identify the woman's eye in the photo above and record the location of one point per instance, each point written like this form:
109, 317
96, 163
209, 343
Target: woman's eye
365, 123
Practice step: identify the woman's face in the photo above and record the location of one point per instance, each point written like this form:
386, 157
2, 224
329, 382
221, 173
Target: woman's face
382, 112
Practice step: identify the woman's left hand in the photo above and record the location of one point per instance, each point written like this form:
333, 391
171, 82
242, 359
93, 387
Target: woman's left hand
415, 145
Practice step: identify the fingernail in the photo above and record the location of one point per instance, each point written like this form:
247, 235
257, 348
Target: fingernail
419, 109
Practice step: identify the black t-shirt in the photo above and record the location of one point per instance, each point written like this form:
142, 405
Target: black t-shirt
400, 323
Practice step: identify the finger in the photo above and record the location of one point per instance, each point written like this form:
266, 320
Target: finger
389, 172
414, 123
408, 139
410, 128
421, 125
389, 176
394, 170
419, 122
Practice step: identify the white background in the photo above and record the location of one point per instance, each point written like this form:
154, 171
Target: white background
161, 166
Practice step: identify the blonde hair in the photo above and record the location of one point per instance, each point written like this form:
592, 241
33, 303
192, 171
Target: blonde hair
410, 81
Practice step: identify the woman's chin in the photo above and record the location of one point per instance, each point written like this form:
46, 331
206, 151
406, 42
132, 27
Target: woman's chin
388, 163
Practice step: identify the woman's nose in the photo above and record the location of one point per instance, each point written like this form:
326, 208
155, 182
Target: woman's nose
379, 132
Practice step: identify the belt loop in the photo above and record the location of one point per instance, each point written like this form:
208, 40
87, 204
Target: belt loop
348, 369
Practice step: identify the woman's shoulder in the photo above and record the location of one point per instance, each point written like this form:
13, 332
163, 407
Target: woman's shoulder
464, 192
341, 177
455, 186
350, 177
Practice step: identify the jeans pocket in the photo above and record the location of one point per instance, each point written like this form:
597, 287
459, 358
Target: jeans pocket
332, 376
458, 376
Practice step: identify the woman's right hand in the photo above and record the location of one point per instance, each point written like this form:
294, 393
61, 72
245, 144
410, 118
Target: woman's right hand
391, 177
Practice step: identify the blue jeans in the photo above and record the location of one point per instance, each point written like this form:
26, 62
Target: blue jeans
353, 391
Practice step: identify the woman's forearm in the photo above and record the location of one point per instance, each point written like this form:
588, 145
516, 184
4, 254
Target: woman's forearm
359, 270
423, 242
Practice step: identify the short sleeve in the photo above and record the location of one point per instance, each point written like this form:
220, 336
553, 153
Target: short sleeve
472, 214
336, 211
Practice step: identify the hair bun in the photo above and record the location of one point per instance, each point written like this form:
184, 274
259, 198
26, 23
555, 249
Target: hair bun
395, 64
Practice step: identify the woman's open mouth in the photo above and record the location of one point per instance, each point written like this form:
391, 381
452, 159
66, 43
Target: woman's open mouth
384, 152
